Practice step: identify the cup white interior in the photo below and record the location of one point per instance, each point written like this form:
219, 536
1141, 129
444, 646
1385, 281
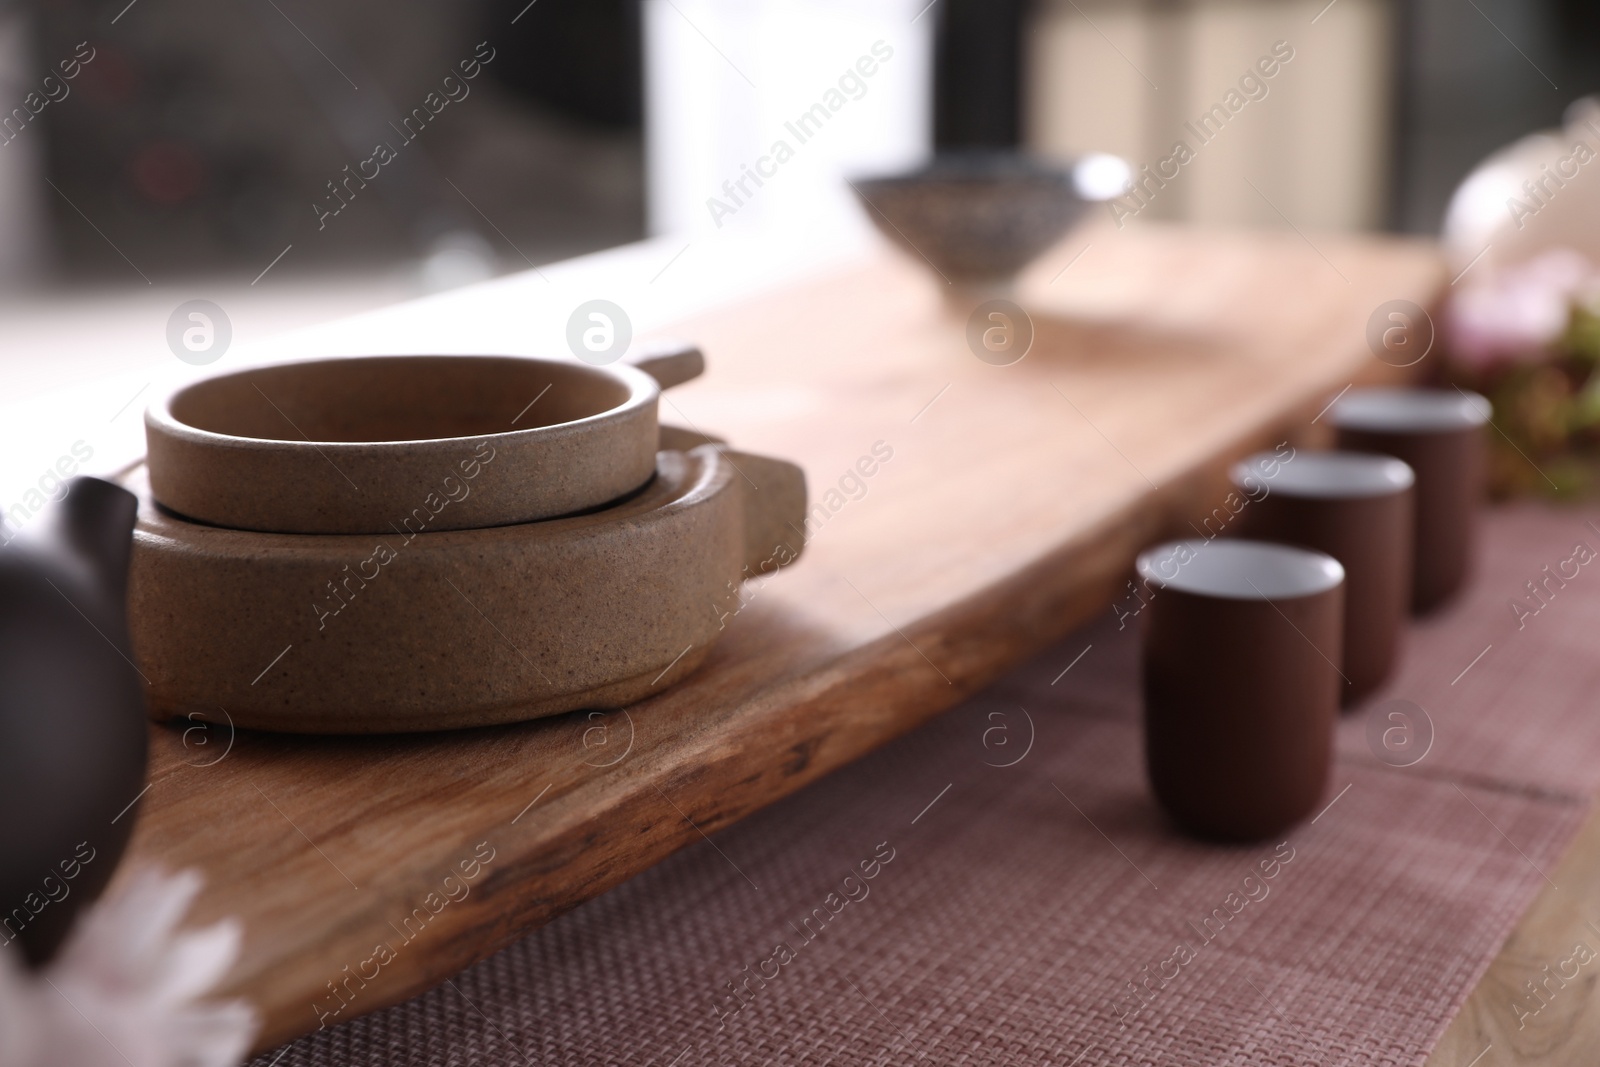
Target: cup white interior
1239, 570
1324, 475
1410, 410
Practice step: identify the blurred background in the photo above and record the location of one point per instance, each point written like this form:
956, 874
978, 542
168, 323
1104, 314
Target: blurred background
230, 150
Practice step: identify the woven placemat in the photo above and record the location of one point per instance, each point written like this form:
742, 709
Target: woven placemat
1512, 694
1029, 905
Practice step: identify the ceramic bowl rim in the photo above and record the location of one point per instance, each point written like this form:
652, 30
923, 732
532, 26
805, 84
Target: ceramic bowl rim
700, 475
990, 168
643, 392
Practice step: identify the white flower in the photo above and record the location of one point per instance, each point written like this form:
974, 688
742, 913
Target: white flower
123, 991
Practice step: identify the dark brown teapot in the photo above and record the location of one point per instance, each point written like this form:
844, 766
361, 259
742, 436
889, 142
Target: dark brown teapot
73, 737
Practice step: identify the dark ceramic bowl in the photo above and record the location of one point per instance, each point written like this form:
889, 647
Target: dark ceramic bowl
982, 217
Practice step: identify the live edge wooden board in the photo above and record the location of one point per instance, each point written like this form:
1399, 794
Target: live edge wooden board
965, 516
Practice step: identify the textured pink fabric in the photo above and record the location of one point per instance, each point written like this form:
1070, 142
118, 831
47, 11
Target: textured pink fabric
1528, 712
1025, 905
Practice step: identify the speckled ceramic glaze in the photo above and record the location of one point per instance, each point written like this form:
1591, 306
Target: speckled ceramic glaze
977, 218
345, 446
429, 628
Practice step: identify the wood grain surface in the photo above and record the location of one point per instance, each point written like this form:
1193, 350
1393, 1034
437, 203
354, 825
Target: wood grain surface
964, 516
1556, 1021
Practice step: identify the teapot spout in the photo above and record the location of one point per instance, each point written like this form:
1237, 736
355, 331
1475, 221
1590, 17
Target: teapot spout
92, 524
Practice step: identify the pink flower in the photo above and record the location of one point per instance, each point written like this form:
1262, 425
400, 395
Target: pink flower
1516, 315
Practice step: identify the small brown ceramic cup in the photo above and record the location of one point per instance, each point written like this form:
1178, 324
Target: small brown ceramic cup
1440, 434
1241, 691
1357, 508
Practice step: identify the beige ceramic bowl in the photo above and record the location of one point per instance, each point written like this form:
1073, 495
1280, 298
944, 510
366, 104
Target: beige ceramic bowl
367, 633
346, 446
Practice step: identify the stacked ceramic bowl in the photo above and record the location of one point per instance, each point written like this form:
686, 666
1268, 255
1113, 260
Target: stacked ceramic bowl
408, 543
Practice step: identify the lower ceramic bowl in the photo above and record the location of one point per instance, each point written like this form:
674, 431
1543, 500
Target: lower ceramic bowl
432, 630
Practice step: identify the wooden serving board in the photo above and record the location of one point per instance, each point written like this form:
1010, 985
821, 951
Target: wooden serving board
1567, 1032
964, 517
